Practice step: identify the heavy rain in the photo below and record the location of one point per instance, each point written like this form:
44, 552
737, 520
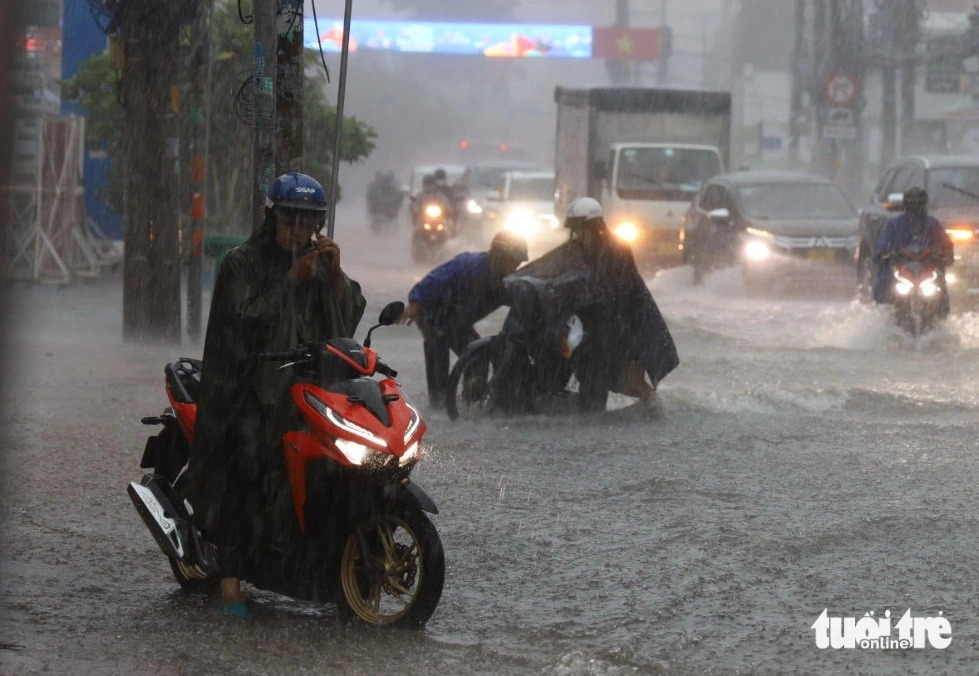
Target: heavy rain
799, 494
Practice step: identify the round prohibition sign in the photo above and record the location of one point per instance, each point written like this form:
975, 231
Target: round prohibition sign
841, 89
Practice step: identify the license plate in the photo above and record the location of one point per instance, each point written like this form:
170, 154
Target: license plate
822, 255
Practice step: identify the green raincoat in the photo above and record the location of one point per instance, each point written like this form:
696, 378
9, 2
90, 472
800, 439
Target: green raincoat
255, 308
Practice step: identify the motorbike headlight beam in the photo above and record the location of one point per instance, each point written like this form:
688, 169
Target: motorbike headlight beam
473, 207
433, 211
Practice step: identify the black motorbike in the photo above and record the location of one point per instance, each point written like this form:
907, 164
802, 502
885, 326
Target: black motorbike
384, 199
545, 344
433, 226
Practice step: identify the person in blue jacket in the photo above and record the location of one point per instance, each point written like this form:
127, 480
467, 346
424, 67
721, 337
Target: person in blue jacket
912, 228
450, 299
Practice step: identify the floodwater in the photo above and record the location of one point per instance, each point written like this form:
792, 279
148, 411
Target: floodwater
809, 456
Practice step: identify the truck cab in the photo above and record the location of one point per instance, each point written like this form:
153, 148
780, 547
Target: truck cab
646, 189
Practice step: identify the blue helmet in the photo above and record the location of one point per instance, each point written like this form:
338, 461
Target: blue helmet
296, 191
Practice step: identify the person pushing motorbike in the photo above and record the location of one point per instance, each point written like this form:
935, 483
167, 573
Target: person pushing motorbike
451, 298
282, 287
626, 337
913, 227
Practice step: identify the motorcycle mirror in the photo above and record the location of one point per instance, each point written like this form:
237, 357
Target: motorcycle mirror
391, 313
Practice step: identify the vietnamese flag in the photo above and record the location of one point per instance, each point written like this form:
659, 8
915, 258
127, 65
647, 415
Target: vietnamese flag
625, 43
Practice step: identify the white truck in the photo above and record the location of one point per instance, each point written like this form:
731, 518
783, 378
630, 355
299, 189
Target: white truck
643, 153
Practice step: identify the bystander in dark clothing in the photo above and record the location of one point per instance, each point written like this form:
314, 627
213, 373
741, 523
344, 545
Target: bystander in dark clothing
450, 299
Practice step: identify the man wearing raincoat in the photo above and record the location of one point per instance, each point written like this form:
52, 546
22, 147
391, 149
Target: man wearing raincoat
282, 287
626, 337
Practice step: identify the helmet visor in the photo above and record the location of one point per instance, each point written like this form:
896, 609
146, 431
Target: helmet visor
299, 219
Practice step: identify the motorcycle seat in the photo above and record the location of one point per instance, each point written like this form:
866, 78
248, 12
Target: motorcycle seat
184, 379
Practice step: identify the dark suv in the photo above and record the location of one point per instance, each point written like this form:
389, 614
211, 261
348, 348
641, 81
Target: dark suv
952, 183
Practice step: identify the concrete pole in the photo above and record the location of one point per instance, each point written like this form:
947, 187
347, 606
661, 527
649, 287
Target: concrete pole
289, 128
263, 157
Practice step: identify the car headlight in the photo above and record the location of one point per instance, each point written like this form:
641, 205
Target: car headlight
433, 211
950, 278
521, 222
627, 231
961, 234
473, 207
756, 251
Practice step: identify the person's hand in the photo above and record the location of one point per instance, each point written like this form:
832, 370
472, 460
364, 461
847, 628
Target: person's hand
304, 267
329, 254
410, 313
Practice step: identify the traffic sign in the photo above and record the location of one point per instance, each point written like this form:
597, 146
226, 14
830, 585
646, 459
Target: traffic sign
841, 89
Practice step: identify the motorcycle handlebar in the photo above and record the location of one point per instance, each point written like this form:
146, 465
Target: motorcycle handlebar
385, 370
277, 356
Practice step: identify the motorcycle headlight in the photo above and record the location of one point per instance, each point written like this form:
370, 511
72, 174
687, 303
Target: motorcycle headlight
928, 289
627, 231
413, 423
903, 285
358, 454
473, 207
413, 453
756, 251
521, 222
433, 211
338, 420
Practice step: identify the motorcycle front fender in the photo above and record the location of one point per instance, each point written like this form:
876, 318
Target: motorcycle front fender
411, 495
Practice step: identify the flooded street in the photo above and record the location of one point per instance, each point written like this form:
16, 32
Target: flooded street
810, 456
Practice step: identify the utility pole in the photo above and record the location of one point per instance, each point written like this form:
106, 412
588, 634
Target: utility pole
151, 273
198, 77
264, 18
665, 46
289, 87
619, 69
798, 76
910, 30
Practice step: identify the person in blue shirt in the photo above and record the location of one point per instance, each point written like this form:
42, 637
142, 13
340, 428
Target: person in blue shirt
450, 299
912, 228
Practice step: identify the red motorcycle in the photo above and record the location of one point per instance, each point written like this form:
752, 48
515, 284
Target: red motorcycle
918, 289
365, 541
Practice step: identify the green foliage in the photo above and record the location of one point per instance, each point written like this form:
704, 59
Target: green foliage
230, 132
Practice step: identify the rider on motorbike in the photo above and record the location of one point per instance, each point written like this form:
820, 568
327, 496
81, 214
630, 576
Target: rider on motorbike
626, 337
384, 196
282, 287
913, 227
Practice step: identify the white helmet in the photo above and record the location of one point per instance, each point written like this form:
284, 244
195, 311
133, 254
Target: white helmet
582, 210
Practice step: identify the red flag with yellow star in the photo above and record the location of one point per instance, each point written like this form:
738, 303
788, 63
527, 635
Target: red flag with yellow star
625, 43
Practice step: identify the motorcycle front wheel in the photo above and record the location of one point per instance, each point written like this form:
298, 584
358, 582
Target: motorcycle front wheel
469, 394
392, 570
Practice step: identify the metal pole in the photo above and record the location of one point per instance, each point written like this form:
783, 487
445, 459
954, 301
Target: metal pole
338, 134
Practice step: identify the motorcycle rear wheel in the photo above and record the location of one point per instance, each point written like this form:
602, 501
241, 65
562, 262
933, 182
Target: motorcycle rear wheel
468, 394
399, 579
